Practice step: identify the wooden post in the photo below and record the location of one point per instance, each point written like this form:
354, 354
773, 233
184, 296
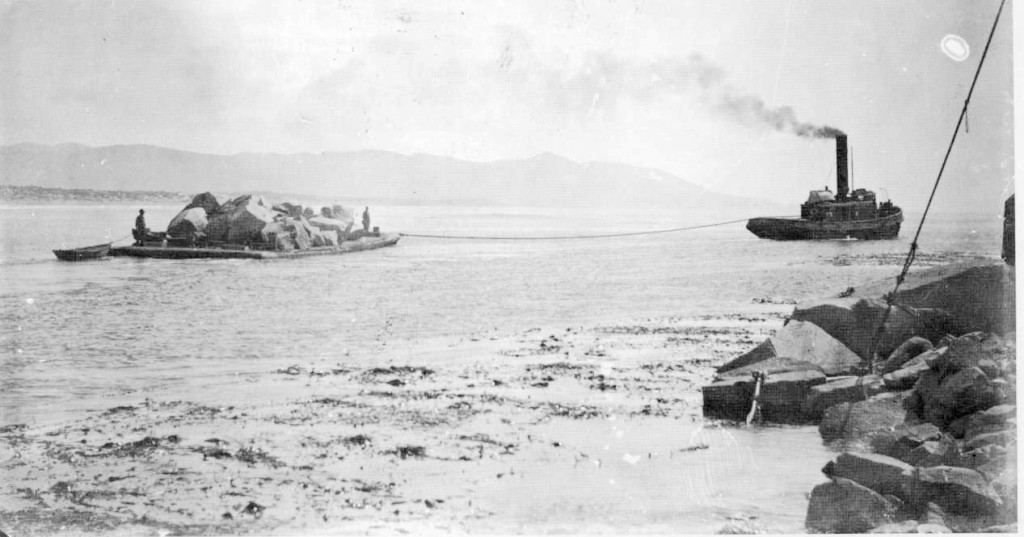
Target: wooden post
759, 378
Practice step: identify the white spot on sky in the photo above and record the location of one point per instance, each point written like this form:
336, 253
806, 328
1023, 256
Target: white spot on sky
955, 47
30, 301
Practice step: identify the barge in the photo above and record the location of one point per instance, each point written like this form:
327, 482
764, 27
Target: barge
159, 251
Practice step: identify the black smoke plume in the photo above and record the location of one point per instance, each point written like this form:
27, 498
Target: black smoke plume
746, 109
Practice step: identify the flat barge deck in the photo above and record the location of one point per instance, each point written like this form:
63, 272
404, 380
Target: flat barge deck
172, 252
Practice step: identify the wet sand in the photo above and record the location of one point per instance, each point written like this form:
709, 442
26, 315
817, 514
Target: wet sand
556, 429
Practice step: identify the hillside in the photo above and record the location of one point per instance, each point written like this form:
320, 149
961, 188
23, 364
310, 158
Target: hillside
371, 176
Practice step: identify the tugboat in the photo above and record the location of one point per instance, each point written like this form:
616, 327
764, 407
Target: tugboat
827, 216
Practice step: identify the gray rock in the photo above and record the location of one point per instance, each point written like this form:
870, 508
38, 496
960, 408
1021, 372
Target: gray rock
956, 490
1003, 528
844, 390
207, 201
803, 342
942, 452
998, 438
979, 298
907, 526
843, 506
864, 420
188, 222
997, 418
967, 351
903, 439
772, 366
909, 350
880, 473
990, 460
854, 322
933, 528
905, 377
781, 398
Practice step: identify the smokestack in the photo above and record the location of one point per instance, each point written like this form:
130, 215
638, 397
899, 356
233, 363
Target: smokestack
842, 180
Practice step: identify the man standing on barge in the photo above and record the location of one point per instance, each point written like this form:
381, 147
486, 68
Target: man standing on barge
140, 228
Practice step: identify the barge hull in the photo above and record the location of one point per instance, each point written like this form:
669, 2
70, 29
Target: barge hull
160, 252
790, 229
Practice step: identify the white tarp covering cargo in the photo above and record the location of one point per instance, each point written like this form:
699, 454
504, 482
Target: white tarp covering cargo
188, 222
207, 201
338, 227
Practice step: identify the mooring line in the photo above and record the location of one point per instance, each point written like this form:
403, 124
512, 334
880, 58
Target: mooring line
573, 237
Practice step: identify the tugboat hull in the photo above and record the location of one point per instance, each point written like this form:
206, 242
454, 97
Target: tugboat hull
794, 229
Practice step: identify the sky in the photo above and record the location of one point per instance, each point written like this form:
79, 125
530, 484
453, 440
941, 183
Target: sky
712, 92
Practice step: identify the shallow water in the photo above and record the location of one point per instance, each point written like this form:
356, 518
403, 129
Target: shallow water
82, 337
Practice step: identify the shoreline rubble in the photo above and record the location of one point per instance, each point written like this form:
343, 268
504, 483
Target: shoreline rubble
926, 416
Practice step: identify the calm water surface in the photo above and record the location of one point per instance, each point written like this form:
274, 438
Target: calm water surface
81, 337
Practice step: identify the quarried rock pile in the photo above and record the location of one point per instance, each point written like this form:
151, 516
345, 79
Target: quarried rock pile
925, 407
248, 221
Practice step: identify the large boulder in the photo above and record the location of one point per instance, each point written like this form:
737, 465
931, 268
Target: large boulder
909, 350
188, 222
855, 323
286, 234
880, 473
995, 419
903, 439
843, 506
246, 218
317, 237
979, 298
288, 209
941, 400
339, 228
862, 421
971, 350
782, 396
771, 366
803, 342
905, 377
841, 390
956, 490
205, 201
343, 215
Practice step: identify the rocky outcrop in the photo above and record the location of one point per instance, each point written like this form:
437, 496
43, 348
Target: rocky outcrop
803, 342
188, 222
856, 323
860, 422
840, 390
910, 349
950, 461
843, 506
339, 228
205, 201
252, 222
929, 431
780, 400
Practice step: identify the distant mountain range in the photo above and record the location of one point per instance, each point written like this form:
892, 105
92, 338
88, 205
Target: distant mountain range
365, 176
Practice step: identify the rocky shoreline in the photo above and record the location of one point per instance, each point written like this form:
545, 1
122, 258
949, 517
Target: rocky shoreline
924, 407
35, 194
